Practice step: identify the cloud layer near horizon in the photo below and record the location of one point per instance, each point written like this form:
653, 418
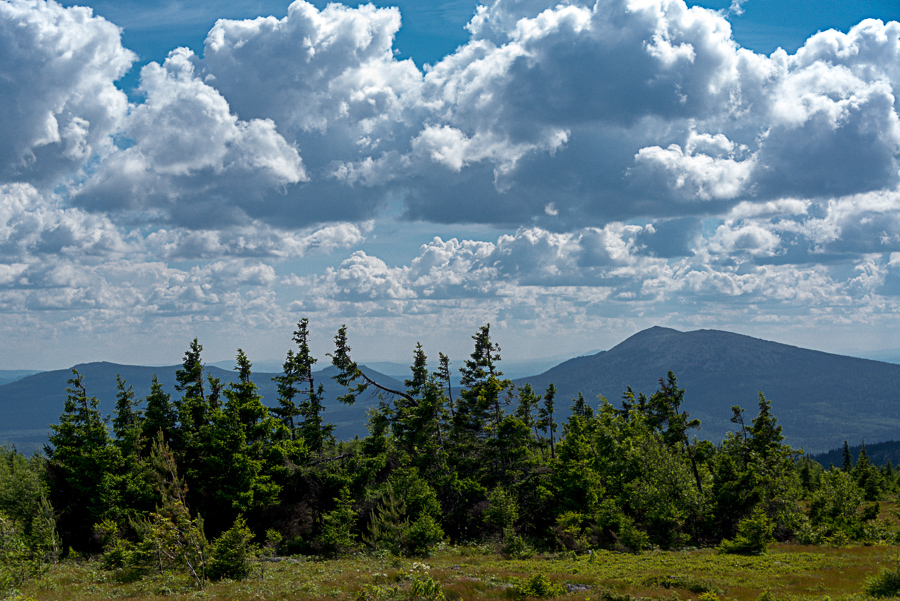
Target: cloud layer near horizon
626, 159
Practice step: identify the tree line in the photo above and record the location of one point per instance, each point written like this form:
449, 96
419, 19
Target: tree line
203, 479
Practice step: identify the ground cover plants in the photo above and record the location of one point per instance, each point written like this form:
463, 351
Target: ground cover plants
476, 490
788, 572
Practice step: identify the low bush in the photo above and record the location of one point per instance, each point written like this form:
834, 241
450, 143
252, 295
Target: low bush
232, 553
884, 584
754, 535
539, 586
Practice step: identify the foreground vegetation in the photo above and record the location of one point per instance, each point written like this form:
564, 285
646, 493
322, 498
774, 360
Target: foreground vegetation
201, 493
784, 572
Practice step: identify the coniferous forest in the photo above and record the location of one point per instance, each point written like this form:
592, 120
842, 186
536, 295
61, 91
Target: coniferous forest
206, 484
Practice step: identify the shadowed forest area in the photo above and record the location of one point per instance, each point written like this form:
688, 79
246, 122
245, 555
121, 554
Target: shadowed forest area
207, 486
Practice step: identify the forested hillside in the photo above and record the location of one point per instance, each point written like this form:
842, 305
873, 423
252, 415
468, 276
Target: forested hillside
31, 404
484, 462
822, 399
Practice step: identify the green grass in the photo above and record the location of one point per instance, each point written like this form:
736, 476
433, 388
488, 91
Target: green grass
787, 572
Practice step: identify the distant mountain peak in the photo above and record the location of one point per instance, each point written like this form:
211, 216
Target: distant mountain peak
820, 398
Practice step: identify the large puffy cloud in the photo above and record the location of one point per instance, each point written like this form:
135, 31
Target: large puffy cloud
57, 68
608, 111
635, 154
192, 162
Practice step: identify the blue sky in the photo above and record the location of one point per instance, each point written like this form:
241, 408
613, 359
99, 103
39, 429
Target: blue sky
571, 173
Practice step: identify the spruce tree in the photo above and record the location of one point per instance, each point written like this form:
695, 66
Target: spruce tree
546, 423
847, 463
82, 465
159, 415
193, 407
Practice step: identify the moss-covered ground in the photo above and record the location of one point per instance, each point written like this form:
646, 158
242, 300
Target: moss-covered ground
787, 572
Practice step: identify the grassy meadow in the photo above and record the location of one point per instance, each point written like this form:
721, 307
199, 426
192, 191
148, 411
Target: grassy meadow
784, 572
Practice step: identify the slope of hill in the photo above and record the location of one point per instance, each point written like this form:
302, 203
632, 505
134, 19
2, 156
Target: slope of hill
30, 405
821, 399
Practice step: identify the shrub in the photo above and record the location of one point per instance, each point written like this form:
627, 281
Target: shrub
395, 527
754, 534
631, 537
336, 538
570, 532
885, 584
15, 566
424, 533
539, 586
514, 546
232, 553
425, 588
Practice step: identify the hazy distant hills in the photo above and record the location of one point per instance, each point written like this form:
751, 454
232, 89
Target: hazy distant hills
29, 405
821, 399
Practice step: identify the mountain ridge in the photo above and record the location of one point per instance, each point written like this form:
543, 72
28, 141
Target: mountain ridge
821, 399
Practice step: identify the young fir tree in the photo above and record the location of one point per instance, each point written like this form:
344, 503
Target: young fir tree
235, 473
314, 430
288, 389
847, 463
445, 376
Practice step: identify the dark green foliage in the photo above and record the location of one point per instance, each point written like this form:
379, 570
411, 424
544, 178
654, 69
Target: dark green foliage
193, 407
302, 418
83, 467
487, 463
867, 477
755, 469
159, 415
545, 422
405, 522
846, 458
